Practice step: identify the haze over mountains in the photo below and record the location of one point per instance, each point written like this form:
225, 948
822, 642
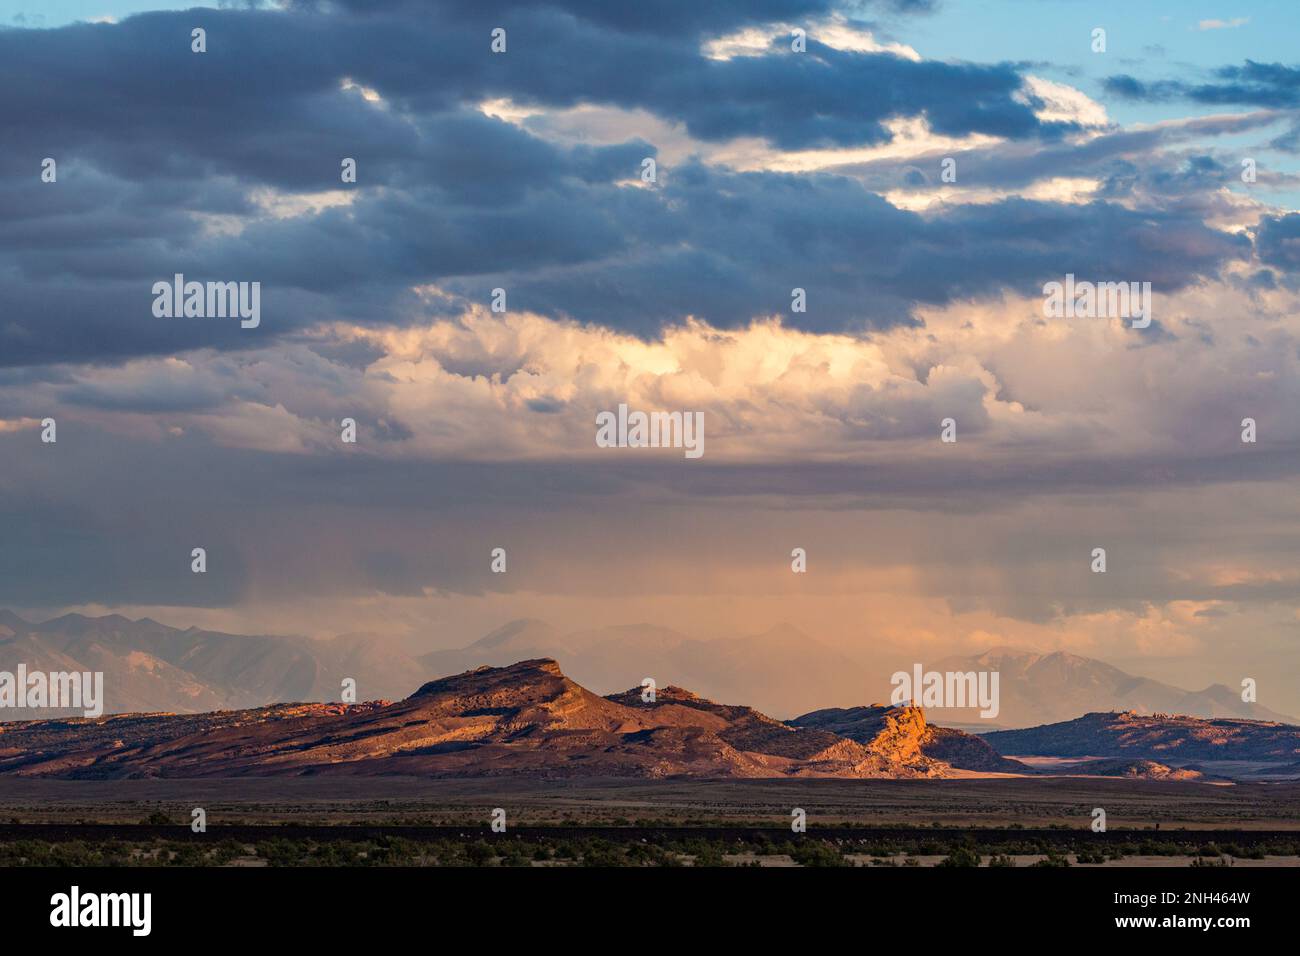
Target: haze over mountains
1046, 688
149, 666
785, 671
782, 670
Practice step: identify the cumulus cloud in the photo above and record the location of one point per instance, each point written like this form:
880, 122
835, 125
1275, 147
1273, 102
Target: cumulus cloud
1058, 397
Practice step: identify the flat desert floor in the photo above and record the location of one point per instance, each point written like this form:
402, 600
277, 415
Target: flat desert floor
990, 802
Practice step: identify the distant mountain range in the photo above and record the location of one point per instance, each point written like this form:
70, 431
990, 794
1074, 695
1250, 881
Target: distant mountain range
529, 719
149, 666
1046, 688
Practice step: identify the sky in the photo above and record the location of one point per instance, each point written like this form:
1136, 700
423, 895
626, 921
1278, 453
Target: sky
775, 170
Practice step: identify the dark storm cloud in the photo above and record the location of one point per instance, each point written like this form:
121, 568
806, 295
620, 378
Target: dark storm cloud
718, 245
745, 240
159, 150
81, 255
264, 100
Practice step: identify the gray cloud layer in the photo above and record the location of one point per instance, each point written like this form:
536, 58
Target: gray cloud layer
159, 148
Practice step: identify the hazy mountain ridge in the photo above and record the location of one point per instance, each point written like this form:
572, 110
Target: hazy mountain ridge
785, 671
1047, 688
150, 666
